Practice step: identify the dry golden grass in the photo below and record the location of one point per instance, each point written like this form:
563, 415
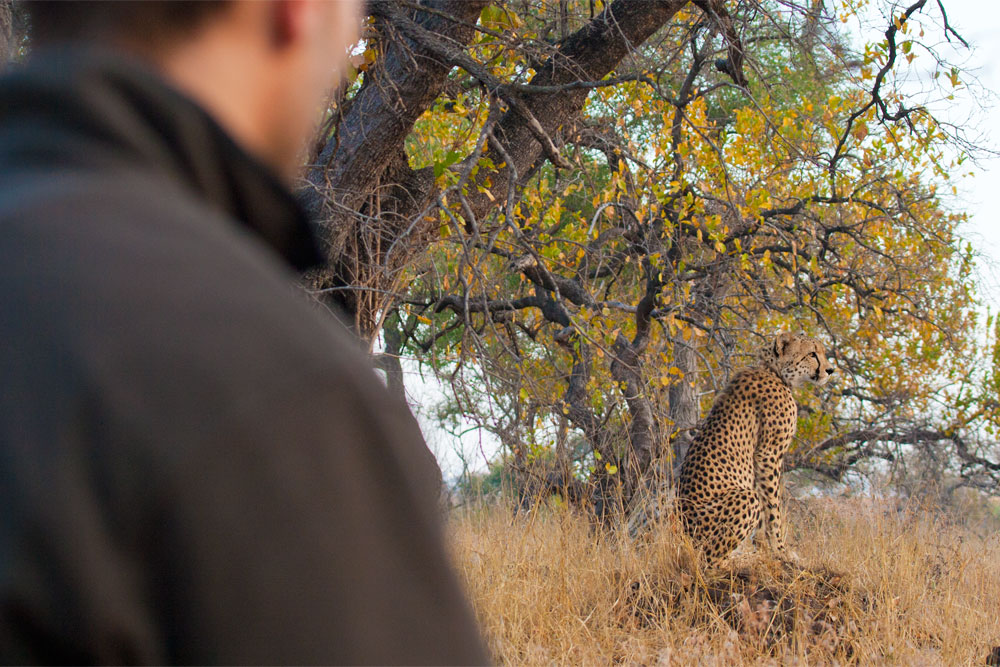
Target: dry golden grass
874, 585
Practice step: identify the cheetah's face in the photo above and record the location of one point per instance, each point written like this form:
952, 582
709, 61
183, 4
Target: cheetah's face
798, 359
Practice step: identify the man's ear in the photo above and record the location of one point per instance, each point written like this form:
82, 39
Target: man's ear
288, 21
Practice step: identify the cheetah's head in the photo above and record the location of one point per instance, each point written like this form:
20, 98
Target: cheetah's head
797, 359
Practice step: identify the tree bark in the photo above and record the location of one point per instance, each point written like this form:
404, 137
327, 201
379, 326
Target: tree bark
403, 83
626, 369
390, 363
683, 400
8, 48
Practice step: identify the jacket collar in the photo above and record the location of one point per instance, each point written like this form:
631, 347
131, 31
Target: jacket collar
87, 106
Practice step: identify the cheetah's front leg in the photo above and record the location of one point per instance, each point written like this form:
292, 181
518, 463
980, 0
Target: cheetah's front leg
767, 471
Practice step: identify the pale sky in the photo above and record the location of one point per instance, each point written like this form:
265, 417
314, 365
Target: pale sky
978, 21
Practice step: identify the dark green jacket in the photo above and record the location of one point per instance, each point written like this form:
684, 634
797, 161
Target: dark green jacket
196, 463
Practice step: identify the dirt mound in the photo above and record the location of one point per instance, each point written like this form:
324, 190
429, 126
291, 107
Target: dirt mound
768, 603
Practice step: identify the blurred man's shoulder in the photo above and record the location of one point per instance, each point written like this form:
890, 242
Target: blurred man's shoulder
142, 284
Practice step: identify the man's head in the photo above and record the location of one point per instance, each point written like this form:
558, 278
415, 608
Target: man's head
261, 68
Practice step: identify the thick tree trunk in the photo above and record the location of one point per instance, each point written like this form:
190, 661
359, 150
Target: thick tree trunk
626, 369
400, 86
389, 362
683, 400
361, 185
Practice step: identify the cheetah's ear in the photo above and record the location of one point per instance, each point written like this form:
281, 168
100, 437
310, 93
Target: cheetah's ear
781, 341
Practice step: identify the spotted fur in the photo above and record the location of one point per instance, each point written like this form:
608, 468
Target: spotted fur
731, 477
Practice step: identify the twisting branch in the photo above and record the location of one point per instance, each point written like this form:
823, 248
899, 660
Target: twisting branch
948, 30
903, 112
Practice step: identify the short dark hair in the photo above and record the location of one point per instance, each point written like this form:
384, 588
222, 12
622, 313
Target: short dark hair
137, 20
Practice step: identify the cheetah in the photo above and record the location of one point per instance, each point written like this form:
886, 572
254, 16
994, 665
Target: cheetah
731, 477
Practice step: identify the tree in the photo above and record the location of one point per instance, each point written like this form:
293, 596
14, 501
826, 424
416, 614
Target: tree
585, 216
